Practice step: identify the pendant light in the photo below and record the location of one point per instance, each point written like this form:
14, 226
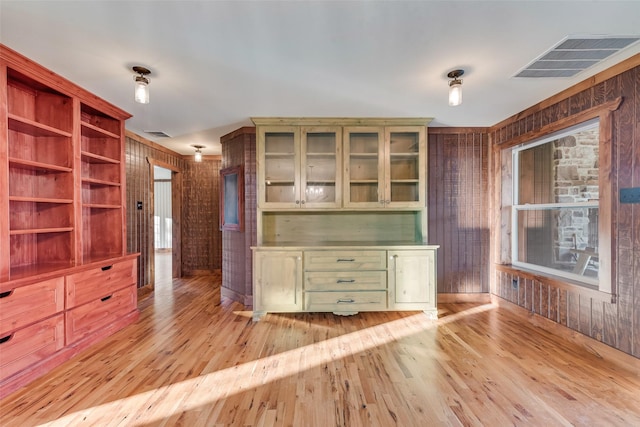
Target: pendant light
141, 94
198, 155
455, 87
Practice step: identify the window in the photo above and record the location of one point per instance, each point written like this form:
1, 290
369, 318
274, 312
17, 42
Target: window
556, 204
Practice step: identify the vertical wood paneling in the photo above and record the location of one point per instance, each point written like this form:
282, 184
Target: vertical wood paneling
616, 324
239, 148
458, 208
199, 194
201, 236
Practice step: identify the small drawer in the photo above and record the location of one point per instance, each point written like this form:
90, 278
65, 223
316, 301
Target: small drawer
99, 282
345, 280
28, 304
24, 347
345, 301
344, 260
82, 321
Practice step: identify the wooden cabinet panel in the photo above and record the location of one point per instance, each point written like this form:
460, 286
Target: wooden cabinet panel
277, 281
412, 280
86, 319
27, 304
345, 260
345, 280
99, 282
29, 345
345, 301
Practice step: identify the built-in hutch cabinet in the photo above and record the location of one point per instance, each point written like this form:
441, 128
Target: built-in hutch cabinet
341, 221
66, 280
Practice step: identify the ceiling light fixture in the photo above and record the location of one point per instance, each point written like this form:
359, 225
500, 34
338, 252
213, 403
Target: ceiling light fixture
198, 156
141, 93
455, 87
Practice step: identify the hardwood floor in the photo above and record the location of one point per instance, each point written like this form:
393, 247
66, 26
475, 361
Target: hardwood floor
192, 360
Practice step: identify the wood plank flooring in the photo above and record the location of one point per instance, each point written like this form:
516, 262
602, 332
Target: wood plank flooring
192, 360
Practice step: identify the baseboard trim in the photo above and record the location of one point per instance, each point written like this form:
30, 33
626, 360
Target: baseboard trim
481, 298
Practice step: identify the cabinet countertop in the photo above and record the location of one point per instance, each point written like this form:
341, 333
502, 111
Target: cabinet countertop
333, 245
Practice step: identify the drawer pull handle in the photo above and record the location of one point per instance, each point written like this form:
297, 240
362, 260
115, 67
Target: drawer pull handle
5, 339
107, 267
106, 298
346, 281
6, 294
346, 259
346, 301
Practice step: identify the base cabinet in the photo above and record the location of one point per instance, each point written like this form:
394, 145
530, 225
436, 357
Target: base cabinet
412, 280
344, 281
278, 281
41, 328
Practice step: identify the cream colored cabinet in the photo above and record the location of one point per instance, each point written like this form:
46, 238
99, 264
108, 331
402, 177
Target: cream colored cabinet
299, 167
411, 280
277, 279
384, 167
341, 222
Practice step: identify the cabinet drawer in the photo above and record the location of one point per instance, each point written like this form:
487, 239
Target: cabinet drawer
88, 318
344, 260
27, 304
345, 301
29, 345
99, 282
345, 280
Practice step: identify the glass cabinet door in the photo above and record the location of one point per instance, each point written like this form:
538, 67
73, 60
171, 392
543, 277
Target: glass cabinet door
320, 170
405, 167
279, 151
364, 171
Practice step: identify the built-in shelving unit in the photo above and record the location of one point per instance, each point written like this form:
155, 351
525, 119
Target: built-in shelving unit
62, 214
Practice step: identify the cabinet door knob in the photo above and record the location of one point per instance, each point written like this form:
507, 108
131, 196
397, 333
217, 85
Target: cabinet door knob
346, 301
345, 281
302, 202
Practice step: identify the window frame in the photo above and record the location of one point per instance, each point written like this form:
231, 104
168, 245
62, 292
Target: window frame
517, 207
603, 112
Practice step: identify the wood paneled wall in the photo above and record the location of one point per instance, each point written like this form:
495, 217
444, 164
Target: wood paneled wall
200, 237
591, 313
458, 207
239, 148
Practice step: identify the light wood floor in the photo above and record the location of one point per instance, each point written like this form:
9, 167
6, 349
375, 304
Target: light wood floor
192, 360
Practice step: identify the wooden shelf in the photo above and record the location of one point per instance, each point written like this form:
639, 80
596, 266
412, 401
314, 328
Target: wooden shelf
96, 158
33, 128
100, 206
92, 181
96, 132
37, 166
38, 199
41, 230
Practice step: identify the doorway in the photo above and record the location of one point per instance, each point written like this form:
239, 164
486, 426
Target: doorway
162, 227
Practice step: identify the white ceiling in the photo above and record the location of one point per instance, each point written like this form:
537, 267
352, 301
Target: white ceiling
215, 64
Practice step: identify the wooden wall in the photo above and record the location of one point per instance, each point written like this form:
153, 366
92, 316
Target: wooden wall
199, 234
239, 148
591, 313
458, 207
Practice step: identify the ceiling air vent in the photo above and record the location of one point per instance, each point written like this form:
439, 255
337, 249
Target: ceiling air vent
157, 133
575, 54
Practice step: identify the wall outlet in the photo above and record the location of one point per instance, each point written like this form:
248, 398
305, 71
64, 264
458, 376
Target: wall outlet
630, 195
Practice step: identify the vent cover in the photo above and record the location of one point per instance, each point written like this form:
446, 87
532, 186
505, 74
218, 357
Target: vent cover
575, 54
157, 133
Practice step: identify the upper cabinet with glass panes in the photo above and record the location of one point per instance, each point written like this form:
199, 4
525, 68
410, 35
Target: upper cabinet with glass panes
299, 167
385, 167
341, 163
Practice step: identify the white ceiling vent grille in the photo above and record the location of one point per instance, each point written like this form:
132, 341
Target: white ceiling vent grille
157, 133
575, 54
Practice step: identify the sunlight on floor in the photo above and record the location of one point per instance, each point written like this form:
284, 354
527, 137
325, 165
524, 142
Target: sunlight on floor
188, 395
